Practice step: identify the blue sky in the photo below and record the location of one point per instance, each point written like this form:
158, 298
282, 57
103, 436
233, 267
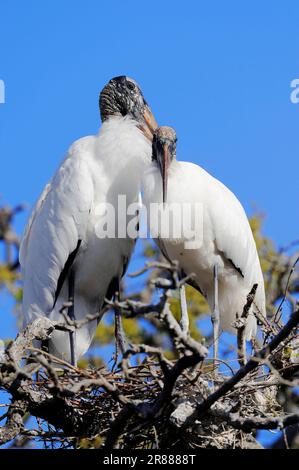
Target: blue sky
219, 72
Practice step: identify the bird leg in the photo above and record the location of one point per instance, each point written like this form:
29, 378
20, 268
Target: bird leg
215, 316
71, 314
121, 343
184, 323
120, 335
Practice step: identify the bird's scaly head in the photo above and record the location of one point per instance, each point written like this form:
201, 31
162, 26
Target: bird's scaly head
164, 151
123, 97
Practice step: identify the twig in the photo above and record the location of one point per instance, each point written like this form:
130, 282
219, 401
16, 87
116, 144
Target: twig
278, 312
256, 422
241, 326
249, 367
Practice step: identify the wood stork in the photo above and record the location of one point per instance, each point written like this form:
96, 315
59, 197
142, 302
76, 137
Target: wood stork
224, 261
61, 254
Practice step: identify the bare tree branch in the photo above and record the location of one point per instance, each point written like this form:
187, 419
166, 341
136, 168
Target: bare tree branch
251, 365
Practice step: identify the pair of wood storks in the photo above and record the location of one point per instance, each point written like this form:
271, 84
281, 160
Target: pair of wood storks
62, 257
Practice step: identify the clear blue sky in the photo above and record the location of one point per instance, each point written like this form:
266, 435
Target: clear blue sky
219, 72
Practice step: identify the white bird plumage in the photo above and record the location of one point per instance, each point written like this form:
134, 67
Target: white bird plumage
227, 239
96, 170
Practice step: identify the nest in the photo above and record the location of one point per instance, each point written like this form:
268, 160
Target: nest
93, 410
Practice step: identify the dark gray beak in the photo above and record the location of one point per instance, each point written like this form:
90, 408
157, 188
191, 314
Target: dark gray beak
164, 159
149, 124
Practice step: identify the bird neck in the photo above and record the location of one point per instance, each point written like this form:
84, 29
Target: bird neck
121, 141
123, 150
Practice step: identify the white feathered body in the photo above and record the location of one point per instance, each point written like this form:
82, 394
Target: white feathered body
223, 236
96, 170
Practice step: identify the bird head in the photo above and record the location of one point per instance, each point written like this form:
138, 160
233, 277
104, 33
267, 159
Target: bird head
164, 151
123, 97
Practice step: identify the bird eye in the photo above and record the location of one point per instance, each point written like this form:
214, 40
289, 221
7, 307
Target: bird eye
131, 86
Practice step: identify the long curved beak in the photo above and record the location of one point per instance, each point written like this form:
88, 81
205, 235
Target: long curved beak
150, 124
163, 159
